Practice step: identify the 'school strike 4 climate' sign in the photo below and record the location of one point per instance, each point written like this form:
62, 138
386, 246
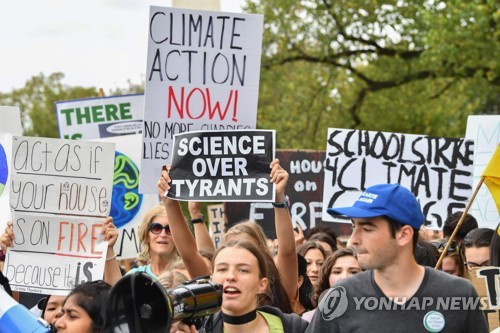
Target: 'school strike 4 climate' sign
437, 170
223, 166
60, 196
202, 74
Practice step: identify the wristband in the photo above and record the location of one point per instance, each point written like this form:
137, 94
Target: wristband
284, 204
198, 220
111, 258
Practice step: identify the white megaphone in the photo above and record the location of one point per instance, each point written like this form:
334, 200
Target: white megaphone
16, 318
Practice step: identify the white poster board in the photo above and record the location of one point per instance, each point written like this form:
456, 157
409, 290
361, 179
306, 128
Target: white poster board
102, 117
203, 71
9, 126
60, 196
485, 131
437, 170
128, 206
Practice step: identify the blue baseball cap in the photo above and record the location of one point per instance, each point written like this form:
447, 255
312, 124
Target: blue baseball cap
392, 200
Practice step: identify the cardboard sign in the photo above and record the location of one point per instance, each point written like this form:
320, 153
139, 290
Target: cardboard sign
304, 188
9, 126
60, 196
437, 170
202, 74
217, 221
486, 280
485, 131
223, 166
95, 118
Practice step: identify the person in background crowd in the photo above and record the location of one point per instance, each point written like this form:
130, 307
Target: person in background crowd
386, 220
84, 309
469, 223
426, 253
452, 263
476, 245
172, 279
342, 264
305, 289
157, 245
326, 241
327, 230
495, 247
315, 256
240, 267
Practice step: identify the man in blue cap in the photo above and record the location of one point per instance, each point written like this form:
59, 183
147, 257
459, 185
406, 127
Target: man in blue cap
394, 293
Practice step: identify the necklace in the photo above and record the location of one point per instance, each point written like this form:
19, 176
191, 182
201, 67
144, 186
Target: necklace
239, 320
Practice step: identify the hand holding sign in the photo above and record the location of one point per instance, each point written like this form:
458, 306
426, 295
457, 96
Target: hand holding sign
109, 232
279, 176
7, 238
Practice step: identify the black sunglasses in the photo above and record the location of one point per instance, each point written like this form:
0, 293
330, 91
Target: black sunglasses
440, 246
156, 229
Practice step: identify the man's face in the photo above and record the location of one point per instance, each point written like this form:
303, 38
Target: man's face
372, 239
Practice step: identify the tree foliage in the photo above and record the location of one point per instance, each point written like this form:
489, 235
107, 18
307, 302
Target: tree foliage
37, 98
36, 102
400, 66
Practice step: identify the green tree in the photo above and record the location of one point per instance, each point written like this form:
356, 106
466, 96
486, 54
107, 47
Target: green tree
402, 66
36, 102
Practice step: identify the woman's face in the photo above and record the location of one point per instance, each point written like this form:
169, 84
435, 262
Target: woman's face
314, 259
450, 266
74, 318
237, 270
53, 308
343, 267
161, 244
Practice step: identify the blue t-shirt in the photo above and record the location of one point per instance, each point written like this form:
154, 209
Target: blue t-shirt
146, 269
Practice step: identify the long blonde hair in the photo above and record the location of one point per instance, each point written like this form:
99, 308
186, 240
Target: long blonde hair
144, 231
250, 228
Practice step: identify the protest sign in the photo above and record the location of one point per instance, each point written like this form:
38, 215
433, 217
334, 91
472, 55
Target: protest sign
437, 170
486, 280
304, 188
485, 131
217, 221
95, 118
223, 166
128, 206
60, 196
202, 74
9, 126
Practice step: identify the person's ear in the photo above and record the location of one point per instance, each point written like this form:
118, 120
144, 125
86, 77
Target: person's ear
263, 284
300, 281
405, 235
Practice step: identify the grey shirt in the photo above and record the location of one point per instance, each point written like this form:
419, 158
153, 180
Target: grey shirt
442, 303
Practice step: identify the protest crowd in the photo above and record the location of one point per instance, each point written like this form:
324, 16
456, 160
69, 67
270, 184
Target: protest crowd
388, 246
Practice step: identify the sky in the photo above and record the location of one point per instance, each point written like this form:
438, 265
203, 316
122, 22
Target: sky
100, 43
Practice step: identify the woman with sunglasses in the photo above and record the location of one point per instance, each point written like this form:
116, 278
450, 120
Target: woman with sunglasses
157, 246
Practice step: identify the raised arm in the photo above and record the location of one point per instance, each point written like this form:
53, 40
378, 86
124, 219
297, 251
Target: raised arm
286, 259
183, 238
112, 271
203, 240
